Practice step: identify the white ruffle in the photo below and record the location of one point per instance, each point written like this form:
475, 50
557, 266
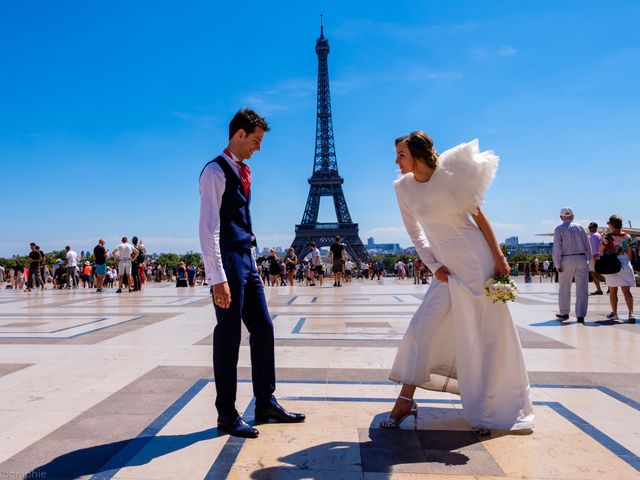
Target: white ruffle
459, 183
469, 173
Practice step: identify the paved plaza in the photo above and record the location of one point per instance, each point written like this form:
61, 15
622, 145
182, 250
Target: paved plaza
119, 386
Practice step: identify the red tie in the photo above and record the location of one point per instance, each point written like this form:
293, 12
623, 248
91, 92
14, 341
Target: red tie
245, 174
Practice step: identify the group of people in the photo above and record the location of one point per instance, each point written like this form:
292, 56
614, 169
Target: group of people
69, 272
439, 198
575, 255
276, 271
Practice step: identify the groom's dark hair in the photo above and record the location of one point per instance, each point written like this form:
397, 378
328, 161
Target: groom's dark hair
247, 120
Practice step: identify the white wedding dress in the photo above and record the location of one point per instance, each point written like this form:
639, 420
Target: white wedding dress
458, 341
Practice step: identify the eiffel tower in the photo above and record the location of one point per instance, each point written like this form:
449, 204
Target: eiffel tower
325, 180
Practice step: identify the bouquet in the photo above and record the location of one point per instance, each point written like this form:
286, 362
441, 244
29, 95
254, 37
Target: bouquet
500, 289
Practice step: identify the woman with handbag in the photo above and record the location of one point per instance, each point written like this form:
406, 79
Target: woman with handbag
618, 243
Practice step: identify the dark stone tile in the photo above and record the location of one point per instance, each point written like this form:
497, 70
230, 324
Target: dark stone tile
449, 440
359, 375
7, 368
88, 441
319, 342
530, 339
23, 324
368, 324
426, 452
384, 450
94, 337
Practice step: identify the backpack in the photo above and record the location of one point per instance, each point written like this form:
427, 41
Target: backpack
141, 255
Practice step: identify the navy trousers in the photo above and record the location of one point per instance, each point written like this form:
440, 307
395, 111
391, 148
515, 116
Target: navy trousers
248, 304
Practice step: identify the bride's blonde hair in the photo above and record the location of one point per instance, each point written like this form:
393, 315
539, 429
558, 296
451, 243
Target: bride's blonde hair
421, 147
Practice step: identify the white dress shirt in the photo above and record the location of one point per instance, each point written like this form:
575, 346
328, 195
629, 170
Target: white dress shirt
212, 185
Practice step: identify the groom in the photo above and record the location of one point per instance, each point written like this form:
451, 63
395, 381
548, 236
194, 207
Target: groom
227, 242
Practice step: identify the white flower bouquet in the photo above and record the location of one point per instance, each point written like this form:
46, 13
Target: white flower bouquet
500, 289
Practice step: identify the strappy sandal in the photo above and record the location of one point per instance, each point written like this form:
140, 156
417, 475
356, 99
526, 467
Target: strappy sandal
393, 423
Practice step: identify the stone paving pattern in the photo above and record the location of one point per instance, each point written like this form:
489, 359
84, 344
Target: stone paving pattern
119, 386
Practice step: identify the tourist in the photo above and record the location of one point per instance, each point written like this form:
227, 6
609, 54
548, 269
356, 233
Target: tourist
43, 282
595, 240
237, 291
125, 253
618, 243
34, 258
335, 260
71, 261
100, 259
316, 264
348, 270
431, 356
571, 254
191, 275
181, 275
417, 271
86, 275
274, 268
291, 261
136, 261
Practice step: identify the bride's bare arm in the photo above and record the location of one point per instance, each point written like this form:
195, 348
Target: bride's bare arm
502, 267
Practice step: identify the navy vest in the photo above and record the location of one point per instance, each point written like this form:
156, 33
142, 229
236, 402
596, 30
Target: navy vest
235, 220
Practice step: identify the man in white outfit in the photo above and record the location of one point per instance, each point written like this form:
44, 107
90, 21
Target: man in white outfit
571, 254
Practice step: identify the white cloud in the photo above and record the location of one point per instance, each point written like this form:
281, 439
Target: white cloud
507, 51
514, 227
282, 96
200, 120
400, 31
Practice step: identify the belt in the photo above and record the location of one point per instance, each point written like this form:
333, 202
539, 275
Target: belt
571, 254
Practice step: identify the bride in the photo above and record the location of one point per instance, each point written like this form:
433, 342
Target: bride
458, 341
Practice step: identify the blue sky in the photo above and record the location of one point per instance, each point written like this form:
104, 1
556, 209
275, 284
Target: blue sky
108, 111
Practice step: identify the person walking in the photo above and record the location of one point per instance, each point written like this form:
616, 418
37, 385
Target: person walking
571, 253
595, 240
34, 267
136, 261
125, 253
227, 243
458, 340
316, 264
71, 261
291, 261
618, 243
100, 259
335, 260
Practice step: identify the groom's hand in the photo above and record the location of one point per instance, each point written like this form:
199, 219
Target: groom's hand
442, 274
221, 295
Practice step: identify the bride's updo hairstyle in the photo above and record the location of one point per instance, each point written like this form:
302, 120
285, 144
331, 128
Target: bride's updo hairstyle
421, 147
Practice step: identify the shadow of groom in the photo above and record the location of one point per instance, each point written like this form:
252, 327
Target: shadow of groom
117, 455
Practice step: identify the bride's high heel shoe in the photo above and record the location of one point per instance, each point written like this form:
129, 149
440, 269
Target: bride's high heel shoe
393, 423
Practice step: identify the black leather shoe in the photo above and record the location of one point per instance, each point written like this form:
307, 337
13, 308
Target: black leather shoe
562, 317
277, 413
580, 319
237, 427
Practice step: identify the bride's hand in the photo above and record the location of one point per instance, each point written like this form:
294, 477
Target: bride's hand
502, 266
442, 274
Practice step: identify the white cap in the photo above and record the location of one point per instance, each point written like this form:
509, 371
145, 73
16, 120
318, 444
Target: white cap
566, 212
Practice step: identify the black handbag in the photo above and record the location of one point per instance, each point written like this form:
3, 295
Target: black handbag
607, 264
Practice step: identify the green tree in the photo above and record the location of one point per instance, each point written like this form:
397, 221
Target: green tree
192, 258
168, 259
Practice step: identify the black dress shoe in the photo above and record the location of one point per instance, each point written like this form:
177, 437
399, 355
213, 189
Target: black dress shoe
580, 319
562, 317
237, 427
277, 413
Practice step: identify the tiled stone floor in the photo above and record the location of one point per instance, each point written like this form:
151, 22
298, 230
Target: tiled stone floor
119, 386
